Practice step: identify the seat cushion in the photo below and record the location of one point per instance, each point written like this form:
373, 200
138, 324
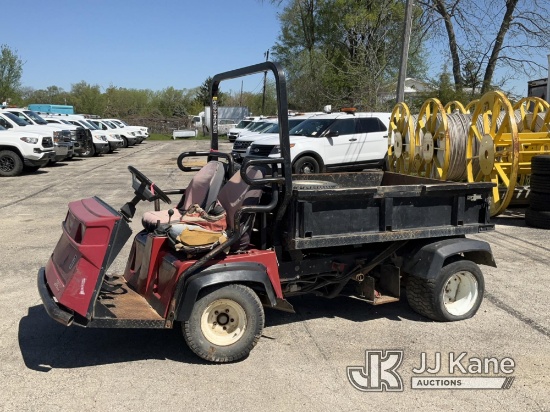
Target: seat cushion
149, 220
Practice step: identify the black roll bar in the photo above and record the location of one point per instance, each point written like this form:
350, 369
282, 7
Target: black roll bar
282, 113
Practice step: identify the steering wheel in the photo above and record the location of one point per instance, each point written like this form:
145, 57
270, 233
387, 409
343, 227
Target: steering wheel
145, 188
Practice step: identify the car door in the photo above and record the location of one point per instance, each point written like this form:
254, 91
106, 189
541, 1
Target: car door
374, 144
342, 143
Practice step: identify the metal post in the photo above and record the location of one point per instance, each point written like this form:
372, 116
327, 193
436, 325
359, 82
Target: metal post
548, 82
404, 52
266, 54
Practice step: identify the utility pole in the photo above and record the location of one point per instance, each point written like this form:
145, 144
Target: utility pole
241, 97
404, 52
266, 54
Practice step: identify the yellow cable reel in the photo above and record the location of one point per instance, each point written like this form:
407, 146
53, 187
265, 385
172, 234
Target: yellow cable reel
454, 107
496, 159
432, 151
400, 141
533, 132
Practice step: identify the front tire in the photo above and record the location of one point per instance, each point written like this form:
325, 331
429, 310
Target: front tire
225, 324
124, 142
455, 294
306, 165
10, 163
89, 153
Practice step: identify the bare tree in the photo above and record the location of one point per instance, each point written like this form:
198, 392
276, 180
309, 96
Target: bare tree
492, 34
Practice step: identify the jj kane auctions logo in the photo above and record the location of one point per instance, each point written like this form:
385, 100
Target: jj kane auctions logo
380, 372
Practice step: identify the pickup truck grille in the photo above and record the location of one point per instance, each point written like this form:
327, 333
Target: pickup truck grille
66, 136
241, 145
261, 150
47, 142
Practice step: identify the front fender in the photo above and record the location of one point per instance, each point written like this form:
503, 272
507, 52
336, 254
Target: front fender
427, 261
249, 273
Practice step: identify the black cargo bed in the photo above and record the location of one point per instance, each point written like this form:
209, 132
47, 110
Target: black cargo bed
378, 206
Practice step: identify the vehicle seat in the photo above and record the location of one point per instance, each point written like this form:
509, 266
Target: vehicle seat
235, 194
202, 190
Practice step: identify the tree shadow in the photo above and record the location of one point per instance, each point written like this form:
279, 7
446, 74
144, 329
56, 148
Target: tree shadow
511, 217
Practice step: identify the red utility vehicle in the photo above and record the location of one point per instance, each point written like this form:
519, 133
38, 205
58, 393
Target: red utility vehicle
366, 233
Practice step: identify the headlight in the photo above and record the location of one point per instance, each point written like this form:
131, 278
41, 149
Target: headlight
277, 149
104, 138
31, 140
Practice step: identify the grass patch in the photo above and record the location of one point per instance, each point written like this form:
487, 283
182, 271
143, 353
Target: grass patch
159, 136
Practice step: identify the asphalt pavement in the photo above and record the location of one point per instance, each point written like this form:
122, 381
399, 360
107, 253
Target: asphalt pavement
300, 363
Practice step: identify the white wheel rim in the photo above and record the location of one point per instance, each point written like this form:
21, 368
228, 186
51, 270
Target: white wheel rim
460, 293
223, 322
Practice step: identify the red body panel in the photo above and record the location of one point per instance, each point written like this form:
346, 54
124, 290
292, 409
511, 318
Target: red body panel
153, 270
74, 267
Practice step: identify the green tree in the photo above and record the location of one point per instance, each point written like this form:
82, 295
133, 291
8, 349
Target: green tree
87, 98
202, 97
11, 70
344, 52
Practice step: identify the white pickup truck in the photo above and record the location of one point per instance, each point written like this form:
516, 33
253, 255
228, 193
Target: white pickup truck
62, 144
21, 150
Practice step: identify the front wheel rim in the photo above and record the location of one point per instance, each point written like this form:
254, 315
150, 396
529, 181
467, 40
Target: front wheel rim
460, 293
6, 164
223, 322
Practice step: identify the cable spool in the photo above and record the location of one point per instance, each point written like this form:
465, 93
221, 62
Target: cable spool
498, 153
471, 107
431, 136
400, 149
454, 107
534, 133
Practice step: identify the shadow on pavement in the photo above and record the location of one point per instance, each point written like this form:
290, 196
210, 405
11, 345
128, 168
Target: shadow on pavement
47, 345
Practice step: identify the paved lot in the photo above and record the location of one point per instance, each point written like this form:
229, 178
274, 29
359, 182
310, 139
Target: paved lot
301, 360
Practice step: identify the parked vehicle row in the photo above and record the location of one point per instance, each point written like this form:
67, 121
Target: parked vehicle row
320, 142
31, 140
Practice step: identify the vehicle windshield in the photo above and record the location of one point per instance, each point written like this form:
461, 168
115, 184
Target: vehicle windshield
117, 123
37, 119
291, 123
15, 119
311, 127
89, 125
266, 127
257, 126
243, 123
110, 124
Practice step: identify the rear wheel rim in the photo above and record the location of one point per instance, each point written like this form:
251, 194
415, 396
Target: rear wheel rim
7, 164
223, 322
307, 167
460, 293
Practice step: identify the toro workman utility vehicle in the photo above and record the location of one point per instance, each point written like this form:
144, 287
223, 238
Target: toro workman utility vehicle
367, 233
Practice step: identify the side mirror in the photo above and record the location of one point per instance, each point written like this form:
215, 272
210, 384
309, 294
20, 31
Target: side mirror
332, 133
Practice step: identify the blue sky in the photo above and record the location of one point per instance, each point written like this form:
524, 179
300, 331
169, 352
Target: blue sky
137, 44
147, 45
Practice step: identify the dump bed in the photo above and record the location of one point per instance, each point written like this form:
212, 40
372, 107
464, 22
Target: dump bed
376, 206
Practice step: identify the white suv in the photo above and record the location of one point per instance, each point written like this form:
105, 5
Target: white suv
243, 142
332, 141
22, 149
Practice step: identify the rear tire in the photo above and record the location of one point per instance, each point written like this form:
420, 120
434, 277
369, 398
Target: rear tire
225, 324
306, 165
10, 163
455, 294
